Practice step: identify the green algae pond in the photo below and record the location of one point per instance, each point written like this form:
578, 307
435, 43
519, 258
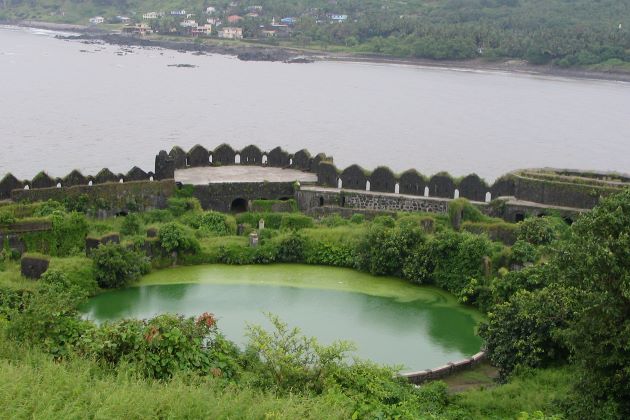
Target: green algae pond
389, 320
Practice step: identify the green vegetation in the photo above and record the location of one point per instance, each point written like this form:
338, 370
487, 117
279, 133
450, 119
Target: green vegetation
583, 33
556, 304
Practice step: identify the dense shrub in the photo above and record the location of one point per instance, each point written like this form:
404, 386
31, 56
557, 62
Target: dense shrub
131, 225
180, 205
211, 223
384, 249
47, 208
288, 361
357, 218
295, 221
524, 330
327, 253
116, 266
174, 237
272, 220
236, 254
291, 247
157, 216
163, 346
49, 318
536, 231
524, 252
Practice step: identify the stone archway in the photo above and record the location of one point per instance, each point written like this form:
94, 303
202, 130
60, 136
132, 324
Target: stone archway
239, 205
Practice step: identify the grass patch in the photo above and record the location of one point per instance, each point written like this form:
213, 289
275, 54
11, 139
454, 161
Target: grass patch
33, 386
530, 391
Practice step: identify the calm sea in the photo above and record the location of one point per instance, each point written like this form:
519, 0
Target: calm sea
66, 104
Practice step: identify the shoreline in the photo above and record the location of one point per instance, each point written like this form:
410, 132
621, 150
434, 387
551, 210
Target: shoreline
253, 52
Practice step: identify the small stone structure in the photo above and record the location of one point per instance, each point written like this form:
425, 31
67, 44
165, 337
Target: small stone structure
91, 243
253, 239
33, 266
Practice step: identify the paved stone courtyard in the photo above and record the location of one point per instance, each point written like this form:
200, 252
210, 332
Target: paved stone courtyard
238, 173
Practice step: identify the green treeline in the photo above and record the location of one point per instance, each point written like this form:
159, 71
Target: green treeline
565, 33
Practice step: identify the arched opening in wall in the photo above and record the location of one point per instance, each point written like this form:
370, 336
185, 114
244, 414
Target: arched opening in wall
239, 205
121, 181
568, 220
90, 183
456, 193
343, 201
519, 217
264, 159
26, 187
397, 188
488, 197
187, 161
58, 184
426, 191
122, 213
151, 178
367, 185
210, 159
290, 161
339, 183
237, 159
321, 201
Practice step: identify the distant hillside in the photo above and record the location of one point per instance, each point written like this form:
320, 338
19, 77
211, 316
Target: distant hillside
562, 32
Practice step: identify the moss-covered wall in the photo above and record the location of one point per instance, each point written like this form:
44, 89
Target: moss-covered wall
220, 197
110, 197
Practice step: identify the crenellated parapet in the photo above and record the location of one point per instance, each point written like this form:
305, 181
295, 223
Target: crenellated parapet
74, 179
198, 156
550, 187
410, 182
546, 187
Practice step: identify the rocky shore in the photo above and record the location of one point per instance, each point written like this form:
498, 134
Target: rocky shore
254, 52
243, 52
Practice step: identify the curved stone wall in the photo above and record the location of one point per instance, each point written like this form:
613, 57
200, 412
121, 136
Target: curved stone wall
224, 154
443, 371
547, 187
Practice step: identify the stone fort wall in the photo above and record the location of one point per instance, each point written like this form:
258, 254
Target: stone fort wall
546, 187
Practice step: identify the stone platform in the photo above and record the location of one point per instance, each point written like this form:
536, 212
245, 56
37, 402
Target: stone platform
238, 173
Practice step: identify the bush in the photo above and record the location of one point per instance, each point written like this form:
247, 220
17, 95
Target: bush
236, 254
333, 220
157, 216
291, 248
49, 317
384, 250
524, 252
290, 362
174, 237
295, 221
163, 346
357, 218
131, 225
180, 205
213, 223
116, 266
536, 231
523, 331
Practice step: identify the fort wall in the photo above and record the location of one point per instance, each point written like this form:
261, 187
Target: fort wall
525, 191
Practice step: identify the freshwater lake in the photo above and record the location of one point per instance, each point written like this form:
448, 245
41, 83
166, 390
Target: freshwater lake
65, 105
389, 320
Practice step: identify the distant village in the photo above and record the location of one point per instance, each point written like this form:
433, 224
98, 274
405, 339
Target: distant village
232, 22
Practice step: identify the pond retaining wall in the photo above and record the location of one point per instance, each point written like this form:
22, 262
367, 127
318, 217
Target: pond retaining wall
448, 369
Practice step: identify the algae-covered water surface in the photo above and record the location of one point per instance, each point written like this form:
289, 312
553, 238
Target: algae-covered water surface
389, 320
